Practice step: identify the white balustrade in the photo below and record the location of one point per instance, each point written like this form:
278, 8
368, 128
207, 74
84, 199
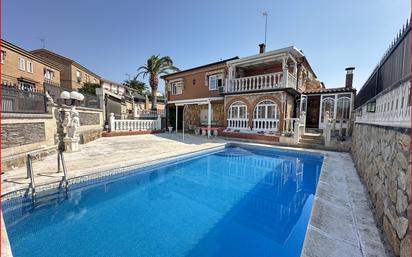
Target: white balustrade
290, 124
266, 125
148, 113
292, 81
134, 125
259, 82
238, 123
389, 108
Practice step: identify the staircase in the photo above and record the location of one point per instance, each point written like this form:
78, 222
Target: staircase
312, 139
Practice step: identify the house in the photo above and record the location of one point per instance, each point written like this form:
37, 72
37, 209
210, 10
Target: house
119, 99
196, 93
255, 97
72, 74
24, 70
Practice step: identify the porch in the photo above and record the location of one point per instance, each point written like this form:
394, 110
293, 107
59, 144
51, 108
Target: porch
201, 116
264, 72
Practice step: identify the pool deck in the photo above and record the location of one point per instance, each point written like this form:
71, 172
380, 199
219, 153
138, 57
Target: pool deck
341, 223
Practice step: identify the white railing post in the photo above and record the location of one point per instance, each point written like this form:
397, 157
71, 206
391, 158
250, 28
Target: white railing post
111, 123
159, 123
327, 129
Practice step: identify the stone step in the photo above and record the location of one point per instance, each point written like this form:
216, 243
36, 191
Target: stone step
315, 137
309, 141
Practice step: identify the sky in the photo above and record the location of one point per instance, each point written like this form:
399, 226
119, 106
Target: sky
114, 38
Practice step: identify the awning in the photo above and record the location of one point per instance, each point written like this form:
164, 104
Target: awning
196, 101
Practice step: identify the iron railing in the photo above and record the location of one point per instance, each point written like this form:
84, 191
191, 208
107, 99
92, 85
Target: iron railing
393, 68
90, 101
15, 100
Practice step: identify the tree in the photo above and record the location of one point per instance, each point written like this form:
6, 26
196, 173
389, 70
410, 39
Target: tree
89, 88
155, 67
136, 84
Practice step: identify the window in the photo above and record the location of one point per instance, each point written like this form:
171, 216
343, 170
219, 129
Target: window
94, 81
26, 86
30, 66
3, 56
266, 110
79, 76
371, 107
238, 110
215, 81
328, 105
48, 74
343, 108
177, 88
22, 65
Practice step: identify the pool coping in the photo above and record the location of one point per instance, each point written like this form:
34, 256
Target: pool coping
312, 230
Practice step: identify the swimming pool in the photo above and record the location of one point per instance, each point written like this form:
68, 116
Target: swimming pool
240, 201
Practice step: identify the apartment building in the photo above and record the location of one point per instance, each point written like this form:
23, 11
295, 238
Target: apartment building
72, 74
24, 70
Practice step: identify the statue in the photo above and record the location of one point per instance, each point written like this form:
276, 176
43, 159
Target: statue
72, 123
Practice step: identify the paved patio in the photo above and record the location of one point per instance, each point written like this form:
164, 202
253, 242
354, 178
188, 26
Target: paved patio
342, 222
108, 154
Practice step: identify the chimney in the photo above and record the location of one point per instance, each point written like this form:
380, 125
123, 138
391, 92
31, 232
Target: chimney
262, 48
349, 77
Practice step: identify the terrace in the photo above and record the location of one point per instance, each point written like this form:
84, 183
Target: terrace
274, 70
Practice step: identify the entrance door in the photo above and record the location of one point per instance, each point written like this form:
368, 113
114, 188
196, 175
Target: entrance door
312, 114
172, 117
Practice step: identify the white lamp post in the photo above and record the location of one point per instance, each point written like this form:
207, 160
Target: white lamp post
71, 121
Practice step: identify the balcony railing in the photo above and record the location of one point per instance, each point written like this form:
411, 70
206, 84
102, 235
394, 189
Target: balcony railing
237, 123
291, 81
260, 82
253, 83
267, 125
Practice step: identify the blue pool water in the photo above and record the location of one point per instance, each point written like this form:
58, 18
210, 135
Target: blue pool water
236, 202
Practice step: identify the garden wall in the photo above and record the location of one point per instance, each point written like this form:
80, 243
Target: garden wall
37, 133
382, 157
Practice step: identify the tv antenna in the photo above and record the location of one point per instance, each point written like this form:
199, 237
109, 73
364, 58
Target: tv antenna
43, 42
266, 22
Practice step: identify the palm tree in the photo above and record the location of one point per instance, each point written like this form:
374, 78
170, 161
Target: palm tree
134, 83
155, 67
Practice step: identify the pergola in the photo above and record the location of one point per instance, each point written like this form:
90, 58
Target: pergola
196, 101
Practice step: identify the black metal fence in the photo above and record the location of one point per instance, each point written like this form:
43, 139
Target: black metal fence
90, 101
15, 100
393, 69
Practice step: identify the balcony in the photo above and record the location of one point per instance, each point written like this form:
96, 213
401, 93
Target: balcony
262, 82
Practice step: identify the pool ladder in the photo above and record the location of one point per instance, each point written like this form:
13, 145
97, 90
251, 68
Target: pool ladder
60, 164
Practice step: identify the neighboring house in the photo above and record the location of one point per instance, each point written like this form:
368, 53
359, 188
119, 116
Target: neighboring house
198, 90
24, 70
72, 74
119, 99
254, 95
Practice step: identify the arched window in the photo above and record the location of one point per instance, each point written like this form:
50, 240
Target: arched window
238, 110
238, 116
343, 108
328, 105
266, 110
266, 116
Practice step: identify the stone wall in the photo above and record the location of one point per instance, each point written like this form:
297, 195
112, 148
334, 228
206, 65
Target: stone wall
192, 115
382, 157
37, 133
